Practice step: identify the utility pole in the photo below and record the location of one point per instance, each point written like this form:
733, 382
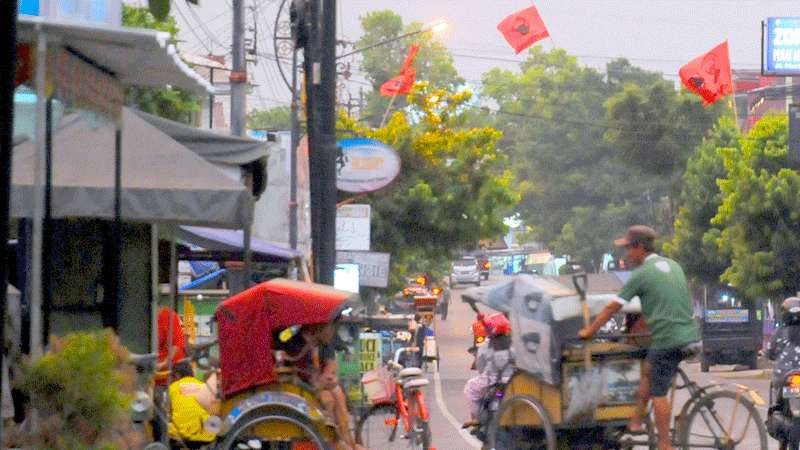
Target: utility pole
8, 53
320, 60
238, 80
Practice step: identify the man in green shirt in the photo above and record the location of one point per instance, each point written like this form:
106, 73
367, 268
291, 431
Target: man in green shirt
661, 286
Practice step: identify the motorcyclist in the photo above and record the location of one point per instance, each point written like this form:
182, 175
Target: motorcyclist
494, 363
784, 345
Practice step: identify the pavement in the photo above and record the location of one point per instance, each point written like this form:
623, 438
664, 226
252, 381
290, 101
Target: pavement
445, 398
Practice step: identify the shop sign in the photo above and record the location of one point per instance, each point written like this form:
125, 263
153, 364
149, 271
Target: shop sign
373, 266
365, 165
371, 351
727, 316
353, 227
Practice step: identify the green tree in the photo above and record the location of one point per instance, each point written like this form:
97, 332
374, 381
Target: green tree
694, 243
552, 116
434, 63
278, 118
451, 191
760, 213
175, 104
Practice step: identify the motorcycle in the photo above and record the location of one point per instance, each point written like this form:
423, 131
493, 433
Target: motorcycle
783, 417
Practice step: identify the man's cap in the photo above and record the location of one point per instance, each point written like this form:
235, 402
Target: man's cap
636, 234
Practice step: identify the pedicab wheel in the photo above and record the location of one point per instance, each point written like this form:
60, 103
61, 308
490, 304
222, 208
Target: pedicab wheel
520, 437
380, 427
243, 431
725, 420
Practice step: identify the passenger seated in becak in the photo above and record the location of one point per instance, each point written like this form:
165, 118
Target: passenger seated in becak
192, 402
494, 363
310, 350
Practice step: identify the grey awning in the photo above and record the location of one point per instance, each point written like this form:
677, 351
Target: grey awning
136, 56
162, 181
214, 147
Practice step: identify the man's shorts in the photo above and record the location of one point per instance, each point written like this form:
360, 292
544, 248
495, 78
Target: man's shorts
664, 365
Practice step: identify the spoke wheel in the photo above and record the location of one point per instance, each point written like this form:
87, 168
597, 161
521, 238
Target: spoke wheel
520, 437
420, 435
246, 431
381, 427
724, 420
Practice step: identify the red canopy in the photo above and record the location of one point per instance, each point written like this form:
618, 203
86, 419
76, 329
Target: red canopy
248, 319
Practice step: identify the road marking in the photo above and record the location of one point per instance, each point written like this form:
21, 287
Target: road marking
468, 438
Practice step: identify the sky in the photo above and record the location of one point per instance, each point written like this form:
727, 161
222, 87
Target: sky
659, 35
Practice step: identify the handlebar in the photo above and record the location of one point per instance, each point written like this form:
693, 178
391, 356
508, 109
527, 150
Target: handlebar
400, 351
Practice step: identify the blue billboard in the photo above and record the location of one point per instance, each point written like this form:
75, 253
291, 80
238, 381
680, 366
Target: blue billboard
781, 46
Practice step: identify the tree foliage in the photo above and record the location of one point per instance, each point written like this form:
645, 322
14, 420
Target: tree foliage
452, 190
433, 63
175, 104
278, 118
760, 213
694, 243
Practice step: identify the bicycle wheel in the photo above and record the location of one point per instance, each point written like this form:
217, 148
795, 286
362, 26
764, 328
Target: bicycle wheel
249, 431
380, 427
723, 420
519, 436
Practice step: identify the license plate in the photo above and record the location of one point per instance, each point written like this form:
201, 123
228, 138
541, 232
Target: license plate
791, 392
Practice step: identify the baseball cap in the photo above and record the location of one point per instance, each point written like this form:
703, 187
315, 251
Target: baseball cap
636, 234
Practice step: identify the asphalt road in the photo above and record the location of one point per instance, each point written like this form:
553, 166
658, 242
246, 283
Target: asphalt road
445, 397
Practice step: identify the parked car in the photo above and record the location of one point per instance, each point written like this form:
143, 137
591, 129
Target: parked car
465, 270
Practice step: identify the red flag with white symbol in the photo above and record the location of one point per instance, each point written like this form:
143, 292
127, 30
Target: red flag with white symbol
402, 84
523, 28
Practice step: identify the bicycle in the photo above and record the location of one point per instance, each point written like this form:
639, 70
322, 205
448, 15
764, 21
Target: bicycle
724, 415
378, 427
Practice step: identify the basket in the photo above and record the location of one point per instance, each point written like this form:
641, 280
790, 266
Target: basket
378, 385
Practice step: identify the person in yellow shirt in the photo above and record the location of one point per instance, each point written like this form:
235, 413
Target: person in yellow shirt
192, 402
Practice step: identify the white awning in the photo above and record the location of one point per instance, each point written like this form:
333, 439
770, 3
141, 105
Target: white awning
136, 56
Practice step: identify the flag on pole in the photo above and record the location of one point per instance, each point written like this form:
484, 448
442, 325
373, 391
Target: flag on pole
709, 75
523, 28
402, 84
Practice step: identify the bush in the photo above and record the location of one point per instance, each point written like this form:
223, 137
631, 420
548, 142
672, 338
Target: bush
80, 391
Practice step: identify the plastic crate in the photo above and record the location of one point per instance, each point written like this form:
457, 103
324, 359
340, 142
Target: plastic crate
378, 385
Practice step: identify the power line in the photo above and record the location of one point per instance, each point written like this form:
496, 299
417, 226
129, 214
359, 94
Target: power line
191, 28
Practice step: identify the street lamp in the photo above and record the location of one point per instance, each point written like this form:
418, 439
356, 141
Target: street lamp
436, 26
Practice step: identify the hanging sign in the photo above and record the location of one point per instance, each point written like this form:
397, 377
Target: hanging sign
353, 227
365, 165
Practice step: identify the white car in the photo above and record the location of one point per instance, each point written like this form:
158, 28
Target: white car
465, 270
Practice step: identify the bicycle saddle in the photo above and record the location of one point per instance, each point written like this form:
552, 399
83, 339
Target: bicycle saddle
410, 372
415, 383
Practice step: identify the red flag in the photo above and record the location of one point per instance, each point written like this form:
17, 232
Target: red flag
523, 28
709, 75
402, 83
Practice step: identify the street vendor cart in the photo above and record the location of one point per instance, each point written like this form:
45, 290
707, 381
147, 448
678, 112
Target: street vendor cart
550, 401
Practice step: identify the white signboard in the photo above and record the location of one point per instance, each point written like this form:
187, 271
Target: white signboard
365, 165
373, 266
352, 227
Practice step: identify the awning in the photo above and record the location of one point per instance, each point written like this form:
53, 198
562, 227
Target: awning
149, 59
212, 146
162, 181
216, 239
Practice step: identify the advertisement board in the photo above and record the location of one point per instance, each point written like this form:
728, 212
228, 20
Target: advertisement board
353, 227
365, 165
371, 351
727, 316
781, 46
373, 266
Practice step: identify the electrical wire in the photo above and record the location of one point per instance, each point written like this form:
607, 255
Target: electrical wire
191, 28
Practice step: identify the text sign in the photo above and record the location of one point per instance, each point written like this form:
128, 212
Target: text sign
365, 165
727, 316
353, 227
781, 46
373, 266
371, 351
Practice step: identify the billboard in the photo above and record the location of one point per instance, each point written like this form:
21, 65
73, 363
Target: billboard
365, 165
780, 46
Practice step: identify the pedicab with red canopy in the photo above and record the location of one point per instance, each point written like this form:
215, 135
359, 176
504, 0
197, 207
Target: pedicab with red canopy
263, 398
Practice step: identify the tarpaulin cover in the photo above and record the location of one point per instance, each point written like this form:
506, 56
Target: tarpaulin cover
232, 240
248, 319
544, 315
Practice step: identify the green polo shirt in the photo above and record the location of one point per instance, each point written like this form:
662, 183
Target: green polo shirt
667, 308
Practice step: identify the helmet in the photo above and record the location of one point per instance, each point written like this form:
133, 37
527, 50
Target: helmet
791, 310
498, 324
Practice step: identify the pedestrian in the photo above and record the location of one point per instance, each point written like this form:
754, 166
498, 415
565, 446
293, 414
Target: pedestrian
661, 286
